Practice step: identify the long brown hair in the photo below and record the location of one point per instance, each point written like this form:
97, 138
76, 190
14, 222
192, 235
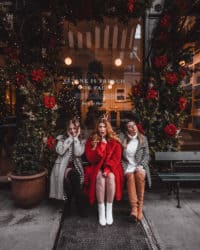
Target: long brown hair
127, 138
110, 134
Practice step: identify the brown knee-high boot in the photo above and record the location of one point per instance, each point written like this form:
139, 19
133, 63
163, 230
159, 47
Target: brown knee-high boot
140, 185
132, 195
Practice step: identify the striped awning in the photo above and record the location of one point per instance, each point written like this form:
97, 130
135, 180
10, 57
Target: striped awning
107, 35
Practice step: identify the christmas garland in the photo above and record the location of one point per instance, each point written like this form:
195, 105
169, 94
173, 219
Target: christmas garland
160, 102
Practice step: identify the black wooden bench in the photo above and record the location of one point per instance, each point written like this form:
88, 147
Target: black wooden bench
179, 167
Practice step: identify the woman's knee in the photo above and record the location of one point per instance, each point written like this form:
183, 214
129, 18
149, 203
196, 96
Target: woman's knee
111, 178
140, 174
99, 178
129, 176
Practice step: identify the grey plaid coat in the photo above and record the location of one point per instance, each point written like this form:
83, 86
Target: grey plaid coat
141, 156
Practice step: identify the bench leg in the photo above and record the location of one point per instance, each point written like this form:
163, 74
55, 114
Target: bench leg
178, 194
170, 188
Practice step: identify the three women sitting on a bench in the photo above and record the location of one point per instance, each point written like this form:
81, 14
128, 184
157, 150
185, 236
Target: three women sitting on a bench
104, 177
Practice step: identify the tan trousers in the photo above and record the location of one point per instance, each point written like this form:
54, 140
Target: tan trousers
135, 188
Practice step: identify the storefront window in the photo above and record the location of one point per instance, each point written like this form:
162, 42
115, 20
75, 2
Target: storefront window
103, 61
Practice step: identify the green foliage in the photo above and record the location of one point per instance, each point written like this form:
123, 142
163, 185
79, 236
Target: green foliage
31, 44
75, 10
32, 151
160, 101
28, 149
69, 104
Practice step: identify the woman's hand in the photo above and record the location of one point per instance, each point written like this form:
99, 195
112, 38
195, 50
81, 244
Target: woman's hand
68, 133
78, 132
140, 168
106, 172
103, 139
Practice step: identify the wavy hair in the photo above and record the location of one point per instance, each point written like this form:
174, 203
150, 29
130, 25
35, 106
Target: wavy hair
77, 125
127, 138
110, 135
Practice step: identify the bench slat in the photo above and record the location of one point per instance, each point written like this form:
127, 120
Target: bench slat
179, 176
179, 160
178, 156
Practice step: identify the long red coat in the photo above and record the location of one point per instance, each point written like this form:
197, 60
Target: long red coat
104, 155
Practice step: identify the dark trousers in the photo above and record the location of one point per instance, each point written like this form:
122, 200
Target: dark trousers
73, 188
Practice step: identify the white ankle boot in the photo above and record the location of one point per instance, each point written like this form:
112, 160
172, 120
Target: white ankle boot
102, 216
109, 215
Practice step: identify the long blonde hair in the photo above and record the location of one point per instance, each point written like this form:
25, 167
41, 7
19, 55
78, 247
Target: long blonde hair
110, 135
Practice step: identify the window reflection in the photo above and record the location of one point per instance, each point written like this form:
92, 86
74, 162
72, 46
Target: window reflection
10, 98
105, 43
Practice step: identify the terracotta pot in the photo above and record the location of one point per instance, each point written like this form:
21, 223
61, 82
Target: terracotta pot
29, 191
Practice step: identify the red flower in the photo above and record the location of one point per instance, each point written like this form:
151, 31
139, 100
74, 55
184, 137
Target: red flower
38, 75
51, 142
140, 128
171, 78
160, 61
182, 73
152, 94
19, 79
49, 101
165, 21
182, 103
131, 5
136, 90
170, 130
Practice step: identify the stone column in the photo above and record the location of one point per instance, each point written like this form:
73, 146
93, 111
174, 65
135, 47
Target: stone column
151, 18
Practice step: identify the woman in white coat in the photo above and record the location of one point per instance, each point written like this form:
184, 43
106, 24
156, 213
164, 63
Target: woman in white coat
67, 175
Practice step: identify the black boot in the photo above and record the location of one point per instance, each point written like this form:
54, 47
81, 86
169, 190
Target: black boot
68, 196
81, 200
67, 207
82, 204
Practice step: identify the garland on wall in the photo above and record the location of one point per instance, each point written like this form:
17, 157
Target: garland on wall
36, 133
29, 48
161, 103
97, 9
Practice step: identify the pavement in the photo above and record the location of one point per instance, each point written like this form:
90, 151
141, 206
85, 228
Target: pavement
174, 228
164, 226
30, 229
86, 233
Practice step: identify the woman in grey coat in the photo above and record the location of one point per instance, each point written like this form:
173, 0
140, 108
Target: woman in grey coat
135, 163
67, 175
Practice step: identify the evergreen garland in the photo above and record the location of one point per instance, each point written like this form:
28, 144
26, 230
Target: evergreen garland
69, 104
160, 101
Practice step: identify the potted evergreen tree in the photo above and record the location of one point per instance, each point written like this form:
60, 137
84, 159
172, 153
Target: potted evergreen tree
33, 153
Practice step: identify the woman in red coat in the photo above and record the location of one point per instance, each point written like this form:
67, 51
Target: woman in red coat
104, 176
